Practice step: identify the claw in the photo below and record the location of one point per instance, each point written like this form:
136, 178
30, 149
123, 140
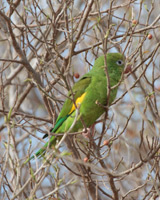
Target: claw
86, 133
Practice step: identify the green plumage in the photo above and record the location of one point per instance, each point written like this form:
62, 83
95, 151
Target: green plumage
94, 85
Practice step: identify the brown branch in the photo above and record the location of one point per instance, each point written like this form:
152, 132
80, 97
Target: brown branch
17, 48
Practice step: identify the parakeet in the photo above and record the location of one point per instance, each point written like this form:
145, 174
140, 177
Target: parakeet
89, 97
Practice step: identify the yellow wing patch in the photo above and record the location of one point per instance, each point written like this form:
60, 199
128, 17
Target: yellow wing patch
78, 102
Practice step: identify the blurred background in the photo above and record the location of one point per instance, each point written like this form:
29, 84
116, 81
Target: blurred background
47, 46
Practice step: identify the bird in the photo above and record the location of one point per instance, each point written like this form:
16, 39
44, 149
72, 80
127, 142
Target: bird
88, 96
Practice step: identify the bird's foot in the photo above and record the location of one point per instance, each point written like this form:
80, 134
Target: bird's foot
86, 133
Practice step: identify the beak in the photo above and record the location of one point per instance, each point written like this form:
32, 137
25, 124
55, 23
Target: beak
128, 68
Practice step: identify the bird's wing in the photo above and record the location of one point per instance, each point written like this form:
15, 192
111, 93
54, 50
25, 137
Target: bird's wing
75, 97
77, 93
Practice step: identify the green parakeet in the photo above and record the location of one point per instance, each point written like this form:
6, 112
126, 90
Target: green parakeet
88, 95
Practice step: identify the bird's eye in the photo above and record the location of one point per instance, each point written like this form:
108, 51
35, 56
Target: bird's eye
120, 62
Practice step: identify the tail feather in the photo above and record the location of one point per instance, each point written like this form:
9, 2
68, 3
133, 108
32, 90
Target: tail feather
52, 141
41, 152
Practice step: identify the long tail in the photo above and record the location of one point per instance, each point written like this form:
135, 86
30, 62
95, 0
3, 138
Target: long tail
41, 152
52, 141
